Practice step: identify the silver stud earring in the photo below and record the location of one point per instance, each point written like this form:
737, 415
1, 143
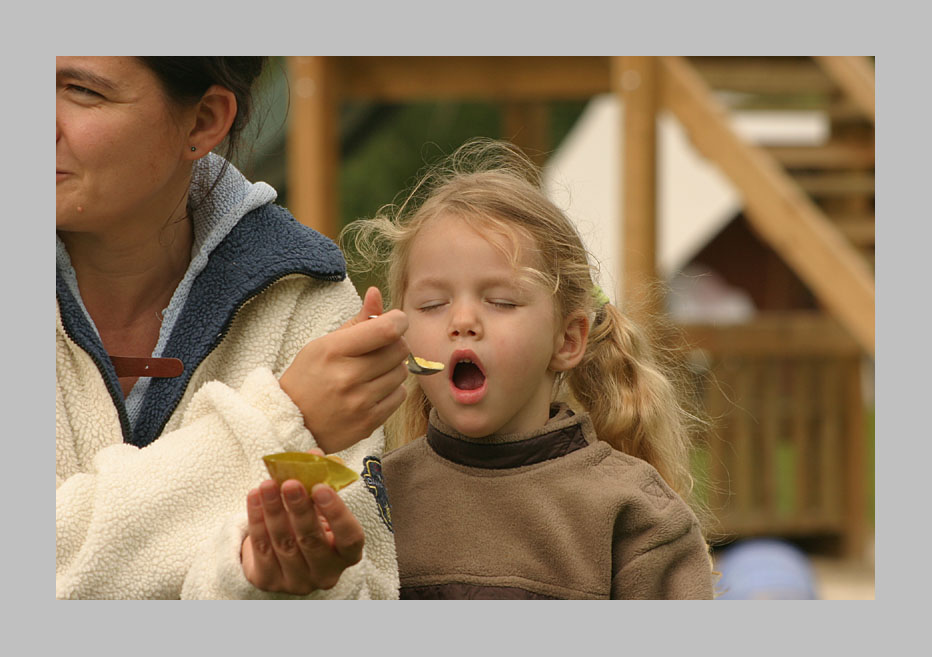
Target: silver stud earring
193, 148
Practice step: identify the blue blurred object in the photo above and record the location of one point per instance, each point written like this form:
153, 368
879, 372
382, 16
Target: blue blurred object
765, 569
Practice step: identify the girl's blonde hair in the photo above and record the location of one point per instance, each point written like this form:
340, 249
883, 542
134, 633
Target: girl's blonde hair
620, 382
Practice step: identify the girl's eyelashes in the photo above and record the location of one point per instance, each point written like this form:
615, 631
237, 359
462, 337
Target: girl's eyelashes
503, 304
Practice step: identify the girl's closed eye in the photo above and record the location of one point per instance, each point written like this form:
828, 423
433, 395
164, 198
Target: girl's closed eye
503, 304
431, 305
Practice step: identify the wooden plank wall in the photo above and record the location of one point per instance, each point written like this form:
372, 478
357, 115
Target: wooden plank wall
786, 452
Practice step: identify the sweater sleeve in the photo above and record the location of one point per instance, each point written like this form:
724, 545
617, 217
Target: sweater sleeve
679, 569
659, 551
124, 526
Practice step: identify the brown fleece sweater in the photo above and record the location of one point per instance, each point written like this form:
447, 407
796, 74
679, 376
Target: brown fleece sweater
552, 514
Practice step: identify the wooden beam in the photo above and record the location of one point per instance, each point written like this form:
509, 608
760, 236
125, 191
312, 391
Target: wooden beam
855, 77
635, 81
777, 208
313, 144
405, 79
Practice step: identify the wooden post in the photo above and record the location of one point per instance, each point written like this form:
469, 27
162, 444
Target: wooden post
855, 470
634, 80
313, 144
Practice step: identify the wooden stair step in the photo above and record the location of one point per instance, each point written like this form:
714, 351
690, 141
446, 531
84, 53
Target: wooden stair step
775, 101
766, 75
859, 229
829, 156
836, 184
843, 109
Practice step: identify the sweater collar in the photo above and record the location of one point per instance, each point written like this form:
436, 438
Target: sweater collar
564, 432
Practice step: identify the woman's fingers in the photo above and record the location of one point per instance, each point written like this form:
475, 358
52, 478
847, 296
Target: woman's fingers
331, 379
297, 544
303, 564
371, 305
278, 524
260, 564
387, 405
347, 537
386, 359
373, 334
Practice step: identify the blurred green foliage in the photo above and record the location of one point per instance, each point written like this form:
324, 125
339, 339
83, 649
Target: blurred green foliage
387, 162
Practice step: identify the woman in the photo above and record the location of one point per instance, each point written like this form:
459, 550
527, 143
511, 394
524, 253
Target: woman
196, 333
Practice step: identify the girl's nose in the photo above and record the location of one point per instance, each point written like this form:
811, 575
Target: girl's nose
464, 322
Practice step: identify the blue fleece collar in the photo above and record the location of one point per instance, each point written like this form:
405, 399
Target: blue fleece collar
264, 246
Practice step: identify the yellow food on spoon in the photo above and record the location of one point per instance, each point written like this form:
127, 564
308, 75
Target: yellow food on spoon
309, 469
429, 364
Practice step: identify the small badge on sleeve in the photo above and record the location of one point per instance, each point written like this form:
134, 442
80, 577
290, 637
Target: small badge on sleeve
372, 477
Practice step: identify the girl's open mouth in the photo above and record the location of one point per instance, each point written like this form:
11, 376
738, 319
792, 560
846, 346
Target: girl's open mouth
467, 377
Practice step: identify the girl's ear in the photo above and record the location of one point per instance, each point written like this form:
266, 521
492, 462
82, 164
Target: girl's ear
570, 342
213, 116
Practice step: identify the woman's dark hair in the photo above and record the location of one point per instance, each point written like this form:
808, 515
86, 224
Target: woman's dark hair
185, 79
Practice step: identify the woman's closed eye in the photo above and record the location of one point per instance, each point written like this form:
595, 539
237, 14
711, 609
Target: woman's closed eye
78, 90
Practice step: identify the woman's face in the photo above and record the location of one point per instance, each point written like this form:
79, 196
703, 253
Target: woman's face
120, 146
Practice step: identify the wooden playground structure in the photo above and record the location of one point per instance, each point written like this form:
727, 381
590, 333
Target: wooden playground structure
787, 455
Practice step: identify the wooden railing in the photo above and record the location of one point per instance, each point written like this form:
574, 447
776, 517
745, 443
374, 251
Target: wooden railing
786, 452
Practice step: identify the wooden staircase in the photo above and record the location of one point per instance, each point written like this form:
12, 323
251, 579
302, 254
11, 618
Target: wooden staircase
786, 455
838, 175
812, 204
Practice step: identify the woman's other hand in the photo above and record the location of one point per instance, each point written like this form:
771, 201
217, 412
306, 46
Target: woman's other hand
297, 543
347, 383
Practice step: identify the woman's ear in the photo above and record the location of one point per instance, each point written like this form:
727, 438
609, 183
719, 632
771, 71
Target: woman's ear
213, 116
570, 343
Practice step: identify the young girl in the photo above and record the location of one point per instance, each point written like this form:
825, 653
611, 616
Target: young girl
497, 489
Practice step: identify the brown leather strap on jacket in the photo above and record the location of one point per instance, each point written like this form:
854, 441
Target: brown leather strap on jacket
154, 367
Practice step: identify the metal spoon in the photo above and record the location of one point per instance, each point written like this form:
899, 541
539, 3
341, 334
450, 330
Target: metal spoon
420, 366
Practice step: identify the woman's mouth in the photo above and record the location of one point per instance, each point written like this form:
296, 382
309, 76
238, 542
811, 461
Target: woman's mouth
467, 377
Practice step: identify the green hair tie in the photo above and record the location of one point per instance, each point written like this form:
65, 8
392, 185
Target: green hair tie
600, 297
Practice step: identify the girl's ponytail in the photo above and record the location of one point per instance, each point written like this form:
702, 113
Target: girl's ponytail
631, 398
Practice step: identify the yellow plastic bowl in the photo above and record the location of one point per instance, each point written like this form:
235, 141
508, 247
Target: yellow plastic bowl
309, 469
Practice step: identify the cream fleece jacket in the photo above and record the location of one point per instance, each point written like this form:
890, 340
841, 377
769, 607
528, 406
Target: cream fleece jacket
165, 517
